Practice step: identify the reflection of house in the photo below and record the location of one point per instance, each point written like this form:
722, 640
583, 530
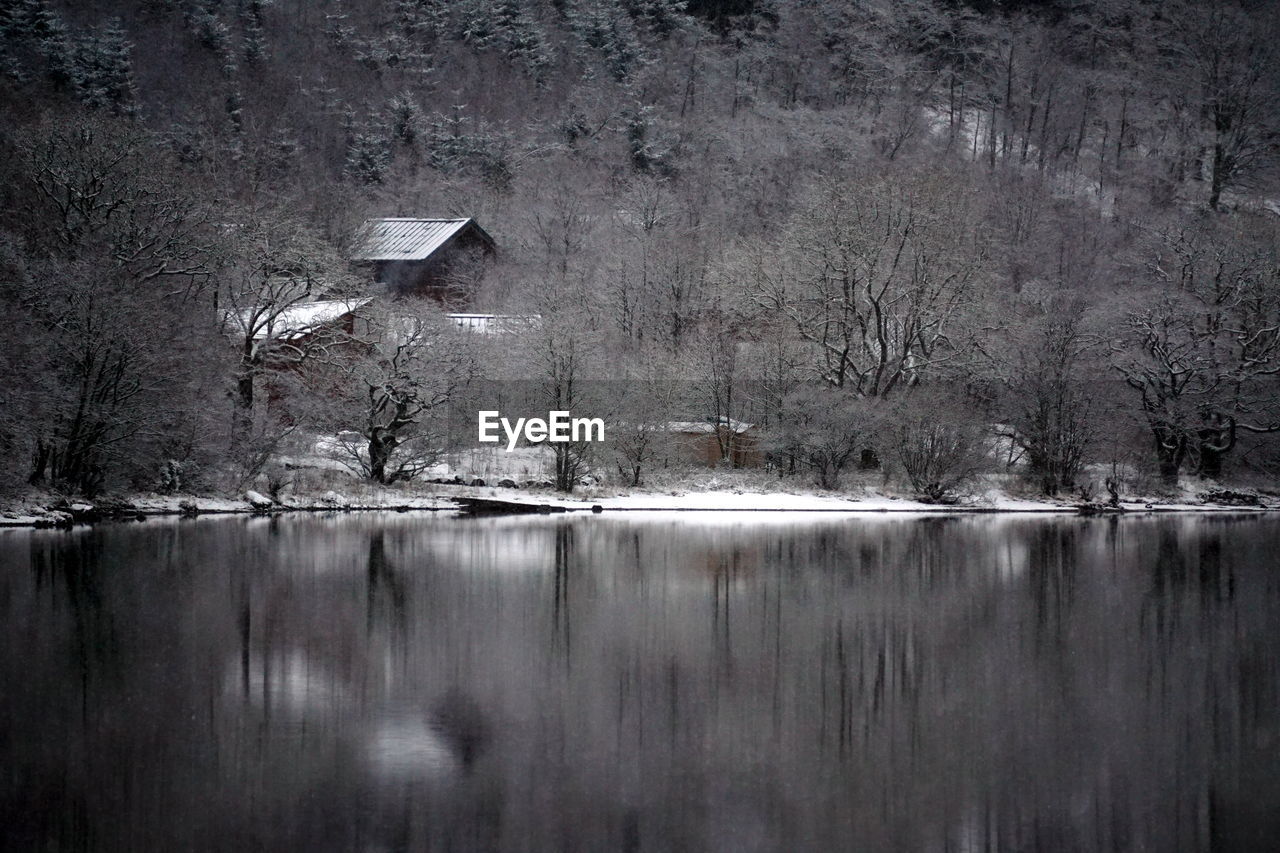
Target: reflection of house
708, 442
421, 257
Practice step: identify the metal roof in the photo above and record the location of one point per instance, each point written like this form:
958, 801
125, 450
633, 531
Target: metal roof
405, 239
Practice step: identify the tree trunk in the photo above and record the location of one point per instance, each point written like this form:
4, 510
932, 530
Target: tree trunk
244, 379
1214, 445
243, 424
566, 468
1169, 460
380, 449
1211, 462
244, 391
1216, 177
39, 464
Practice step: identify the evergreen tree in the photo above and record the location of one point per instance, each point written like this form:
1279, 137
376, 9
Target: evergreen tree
475, 23
210, 30
104, 70
421, 21
234, 103
520, 38
605, 28
368, 158
406, 119
12, 30
52, 40
255, 35
662, 17
505, 25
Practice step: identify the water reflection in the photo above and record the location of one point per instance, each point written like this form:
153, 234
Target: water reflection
411, 683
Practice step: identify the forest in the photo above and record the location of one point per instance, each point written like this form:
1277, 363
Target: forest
930, 239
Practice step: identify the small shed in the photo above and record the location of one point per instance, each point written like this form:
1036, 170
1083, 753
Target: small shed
428, 258
300, 321
709, 441
496, 324
281, 338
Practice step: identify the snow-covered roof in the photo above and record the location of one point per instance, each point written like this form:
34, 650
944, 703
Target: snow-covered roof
495, 323
302, 318
707, 425
407, 239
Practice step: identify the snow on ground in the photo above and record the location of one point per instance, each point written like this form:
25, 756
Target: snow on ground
330, 500
992, 500
740, 501
763, 495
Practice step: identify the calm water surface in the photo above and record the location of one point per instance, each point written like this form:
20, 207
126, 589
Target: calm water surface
712, 682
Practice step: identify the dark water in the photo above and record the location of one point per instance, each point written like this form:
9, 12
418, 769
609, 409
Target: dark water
597, 684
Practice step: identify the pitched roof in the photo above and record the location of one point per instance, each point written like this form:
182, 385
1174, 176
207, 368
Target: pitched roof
301, 319
407, 239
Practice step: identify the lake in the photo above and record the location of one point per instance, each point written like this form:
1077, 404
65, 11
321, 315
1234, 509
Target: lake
633, 682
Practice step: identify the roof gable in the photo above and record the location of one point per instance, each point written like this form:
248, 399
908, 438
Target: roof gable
409, 239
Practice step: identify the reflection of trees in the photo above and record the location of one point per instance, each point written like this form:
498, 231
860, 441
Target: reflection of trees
1051, 571
883, 684
1178, 566
385, 589
562, 634
76, 562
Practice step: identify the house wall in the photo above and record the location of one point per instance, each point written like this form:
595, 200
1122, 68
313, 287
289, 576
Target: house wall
445, 277
703, 448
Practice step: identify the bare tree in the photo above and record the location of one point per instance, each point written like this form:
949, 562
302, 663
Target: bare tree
1047, 399
564, 354
1223, 82
387, 390
823, 428
278, 270
875, 277
642, 400
937, 442
1203, 351
112, 263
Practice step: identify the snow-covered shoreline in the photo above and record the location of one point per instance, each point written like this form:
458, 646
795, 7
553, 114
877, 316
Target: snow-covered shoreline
35, 512
42, 510
738, 501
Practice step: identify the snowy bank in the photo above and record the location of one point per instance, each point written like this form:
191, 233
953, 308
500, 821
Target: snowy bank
46, 510
43, 510
743, 501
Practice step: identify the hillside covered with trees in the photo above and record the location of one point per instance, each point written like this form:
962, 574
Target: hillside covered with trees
893, 235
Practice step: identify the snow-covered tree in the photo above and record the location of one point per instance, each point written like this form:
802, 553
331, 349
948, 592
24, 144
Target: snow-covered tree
1203, 349
104, 70
876, 277
605, 29
368, 157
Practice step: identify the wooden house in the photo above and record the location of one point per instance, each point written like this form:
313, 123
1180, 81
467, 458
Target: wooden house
283, 341
429, 258
299, 323
709, 442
